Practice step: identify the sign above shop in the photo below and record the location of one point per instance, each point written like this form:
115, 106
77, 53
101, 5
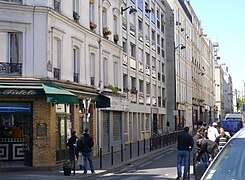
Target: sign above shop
18, 92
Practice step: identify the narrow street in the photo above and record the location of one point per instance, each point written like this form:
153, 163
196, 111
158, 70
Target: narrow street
160, 166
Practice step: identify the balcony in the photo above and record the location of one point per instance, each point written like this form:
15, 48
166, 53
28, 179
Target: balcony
147, 70
154, 73
57, 73
132, 63
10, 69
125, 59
148, 100
154, 101
141, 98
141, 67
76, 77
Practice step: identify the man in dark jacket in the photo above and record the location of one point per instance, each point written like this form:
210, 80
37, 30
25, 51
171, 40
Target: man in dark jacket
185, 143
85, 145
71, 144
207, 146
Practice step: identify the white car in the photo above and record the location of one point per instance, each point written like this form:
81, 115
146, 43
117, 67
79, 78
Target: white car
229, 164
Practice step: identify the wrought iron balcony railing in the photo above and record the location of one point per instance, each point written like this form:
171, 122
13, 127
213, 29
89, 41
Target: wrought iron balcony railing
10, 68
76, 77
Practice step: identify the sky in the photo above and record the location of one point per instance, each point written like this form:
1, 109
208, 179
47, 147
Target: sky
224, 22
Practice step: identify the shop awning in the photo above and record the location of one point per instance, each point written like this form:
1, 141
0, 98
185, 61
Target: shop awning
57, 94
102, 101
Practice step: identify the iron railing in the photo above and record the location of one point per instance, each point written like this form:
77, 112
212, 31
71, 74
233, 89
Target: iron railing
10, 68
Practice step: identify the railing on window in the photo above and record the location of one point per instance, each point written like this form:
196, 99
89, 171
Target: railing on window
10, 68
92, 81
57, 73
76, 77
12, 1
57, 5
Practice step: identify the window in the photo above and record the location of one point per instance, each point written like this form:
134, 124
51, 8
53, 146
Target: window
116, 72
153, 18
125, 81
133, 82
76, 5
140, 5
133, 50
141, 53
147, 59
104, 18
141, 86
92, 69
163, 67
153, 62
76, 63
140, 24
57, 57
57, 5
105, 71
15, 48
158, 39
147, 30
133, 1
154, 90
148, 88
125, 46
147, 10
91, 12
162, 43
153, 35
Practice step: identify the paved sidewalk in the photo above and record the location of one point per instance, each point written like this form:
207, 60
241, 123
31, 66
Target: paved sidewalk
107, 167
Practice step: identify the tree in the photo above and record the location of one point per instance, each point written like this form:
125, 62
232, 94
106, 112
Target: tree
240, 102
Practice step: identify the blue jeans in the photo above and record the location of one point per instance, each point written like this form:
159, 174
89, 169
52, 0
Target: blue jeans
88, 156
183, 155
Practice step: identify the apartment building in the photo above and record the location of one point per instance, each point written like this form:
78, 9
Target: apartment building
57, 58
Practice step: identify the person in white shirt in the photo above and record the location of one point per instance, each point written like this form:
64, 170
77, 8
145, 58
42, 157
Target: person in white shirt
213, 132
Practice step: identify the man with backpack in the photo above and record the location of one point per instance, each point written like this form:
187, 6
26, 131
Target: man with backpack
85, 145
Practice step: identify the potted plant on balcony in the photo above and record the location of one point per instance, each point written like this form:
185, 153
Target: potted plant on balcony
106, 31
134, 90
76, 16
67, 165
92, 25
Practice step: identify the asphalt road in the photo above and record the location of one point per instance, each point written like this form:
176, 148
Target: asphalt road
159, 166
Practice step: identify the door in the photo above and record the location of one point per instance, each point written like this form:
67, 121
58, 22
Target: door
155, 132
28, 139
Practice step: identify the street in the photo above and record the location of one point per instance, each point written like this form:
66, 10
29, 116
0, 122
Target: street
159, 166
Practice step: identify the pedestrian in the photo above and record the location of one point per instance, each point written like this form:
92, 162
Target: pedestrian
185, 143
85, 145
207, 146
222, 139
213, 132
73, 152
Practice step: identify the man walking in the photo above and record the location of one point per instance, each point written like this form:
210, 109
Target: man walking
185, 142
85, 145
213, 132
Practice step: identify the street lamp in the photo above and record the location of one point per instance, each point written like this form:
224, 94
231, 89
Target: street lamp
175, 103
132, 10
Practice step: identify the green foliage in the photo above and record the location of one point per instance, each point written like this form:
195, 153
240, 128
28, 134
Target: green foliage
240, 102
67, 164
113, 89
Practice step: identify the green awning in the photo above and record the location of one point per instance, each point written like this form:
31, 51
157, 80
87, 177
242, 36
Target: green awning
102, 101
57, 94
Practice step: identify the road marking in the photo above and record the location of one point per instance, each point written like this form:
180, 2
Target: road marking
145, 164
109, 174
159, 157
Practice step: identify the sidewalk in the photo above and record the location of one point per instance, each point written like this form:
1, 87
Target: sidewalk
107, 167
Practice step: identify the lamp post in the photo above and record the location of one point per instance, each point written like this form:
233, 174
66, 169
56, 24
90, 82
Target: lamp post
132, 10
175, 103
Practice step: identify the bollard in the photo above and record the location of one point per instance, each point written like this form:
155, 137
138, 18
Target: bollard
74, 165
121, 152
111, 155
189, 163
150, 144
144, 146
130, 149
100, 158
138, 147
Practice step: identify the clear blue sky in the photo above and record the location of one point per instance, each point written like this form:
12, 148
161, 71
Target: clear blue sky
224, 22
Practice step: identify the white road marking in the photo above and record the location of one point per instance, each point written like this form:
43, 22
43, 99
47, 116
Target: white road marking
159, 157
145, 164
109, 174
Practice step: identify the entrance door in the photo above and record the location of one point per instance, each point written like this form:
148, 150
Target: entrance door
28, 139
155, 124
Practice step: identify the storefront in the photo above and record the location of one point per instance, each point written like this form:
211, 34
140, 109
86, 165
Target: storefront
37, 118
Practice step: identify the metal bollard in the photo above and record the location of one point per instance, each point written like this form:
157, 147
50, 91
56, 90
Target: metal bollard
111, 155
130, 148
189, 163
74, 165
121, 152
144, 146
138, 147
100, 158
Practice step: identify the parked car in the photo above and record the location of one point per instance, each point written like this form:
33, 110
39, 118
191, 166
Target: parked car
232, 123
230, 162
